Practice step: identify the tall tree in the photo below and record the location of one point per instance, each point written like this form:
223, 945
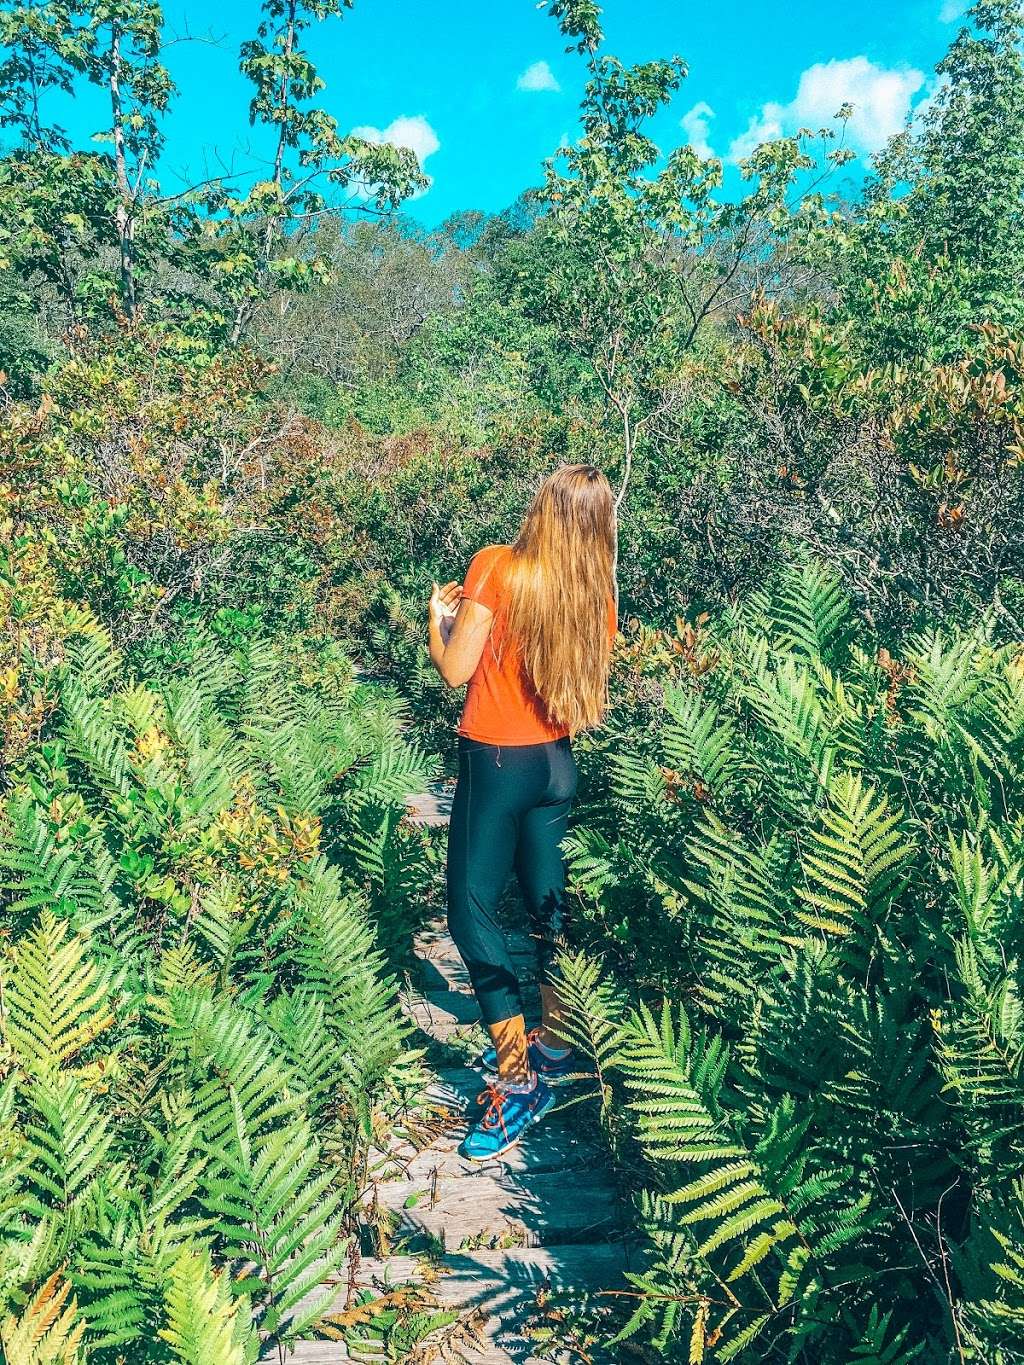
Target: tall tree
123, 59
54, 204
309, 152
642, 254
43, 52
972, 153
936, 247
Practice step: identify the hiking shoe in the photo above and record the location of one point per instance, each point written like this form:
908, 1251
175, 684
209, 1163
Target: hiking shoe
550, 1069
506, 1117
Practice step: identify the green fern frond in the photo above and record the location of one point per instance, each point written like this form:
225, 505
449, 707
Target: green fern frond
279, 1216
878, 1347
67, 1139
591, 1010
699, 742
855, 863
811, 611
205, 1323
73, 878
57, 999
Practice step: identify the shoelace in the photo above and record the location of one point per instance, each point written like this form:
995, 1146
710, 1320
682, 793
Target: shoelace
493, 1116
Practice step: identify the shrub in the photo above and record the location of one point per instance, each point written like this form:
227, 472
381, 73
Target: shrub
202, 1036
808, 860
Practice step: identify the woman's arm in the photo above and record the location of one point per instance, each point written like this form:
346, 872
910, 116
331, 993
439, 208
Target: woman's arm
455, 649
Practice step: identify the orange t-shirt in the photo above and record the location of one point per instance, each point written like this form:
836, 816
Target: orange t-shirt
502, 705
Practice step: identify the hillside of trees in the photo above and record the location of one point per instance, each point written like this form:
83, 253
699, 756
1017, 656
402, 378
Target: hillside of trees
242, 429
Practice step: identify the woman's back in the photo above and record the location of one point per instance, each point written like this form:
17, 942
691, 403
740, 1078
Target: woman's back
532, 638
502, 705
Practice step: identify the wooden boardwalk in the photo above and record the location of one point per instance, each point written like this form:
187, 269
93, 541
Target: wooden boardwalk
501, 1235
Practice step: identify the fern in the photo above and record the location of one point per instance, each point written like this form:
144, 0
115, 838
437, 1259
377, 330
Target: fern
811, 612
591, 1010
854, 866
47, 1332
819, 847
67, 1140
881, 1346
57, 999
340, 966
766, 1215
279, 1217
701, 743
204, 1324
193, 1170
75, 879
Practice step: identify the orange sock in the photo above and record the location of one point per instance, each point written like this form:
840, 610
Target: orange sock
551, 1018
509, 1038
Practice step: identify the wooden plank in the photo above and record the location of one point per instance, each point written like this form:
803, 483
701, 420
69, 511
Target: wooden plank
443, 1030
552, 1146
549, 1195
430, 808
435, 943
524, 1208
555, 1144
444, 1007
441, 968
447, 1014
504, 1285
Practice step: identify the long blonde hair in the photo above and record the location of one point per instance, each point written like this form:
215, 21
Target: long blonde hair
561, 580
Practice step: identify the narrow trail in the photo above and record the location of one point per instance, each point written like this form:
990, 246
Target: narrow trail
501, 1234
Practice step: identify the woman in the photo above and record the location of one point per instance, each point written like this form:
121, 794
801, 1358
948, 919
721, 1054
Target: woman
532, 636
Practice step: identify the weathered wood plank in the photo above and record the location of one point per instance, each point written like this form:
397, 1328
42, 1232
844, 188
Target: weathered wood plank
435, 943
440, 1013
431, 808
524, 1208
549, 1196
504, 1285
447, 971
553, 1146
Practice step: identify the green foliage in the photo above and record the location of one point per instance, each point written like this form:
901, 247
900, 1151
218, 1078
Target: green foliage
819, 848
636, 256
204, 1326
972, 161
802, 828
202, 1037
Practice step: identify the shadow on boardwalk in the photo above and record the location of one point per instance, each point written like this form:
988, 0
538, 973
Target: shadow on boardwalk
546, 1216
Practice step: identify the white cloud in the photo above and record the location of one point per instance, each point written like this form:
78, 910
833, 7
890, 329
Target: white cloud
539, 76
763, 127
696, 124
881, 100
952, 10
408, 130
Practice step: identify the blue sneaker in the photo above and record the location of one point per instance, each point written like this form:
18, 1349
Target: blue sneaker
505, 1119
551, 1069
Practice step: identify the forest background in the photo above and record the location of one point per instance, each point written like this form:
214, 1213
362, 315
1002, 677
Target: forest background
242, 431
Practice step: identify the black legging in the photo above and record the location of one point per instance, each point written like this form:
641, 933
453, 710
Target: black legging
511, 808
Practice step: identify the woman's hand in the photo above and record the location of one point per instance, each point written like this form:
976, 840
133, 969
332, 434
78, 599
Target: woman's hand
457, 642
443, 603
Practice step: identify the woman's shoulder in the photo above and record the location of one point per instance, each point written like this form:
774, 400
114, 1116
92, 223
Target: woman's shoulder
490, 554
485, 576
489, 560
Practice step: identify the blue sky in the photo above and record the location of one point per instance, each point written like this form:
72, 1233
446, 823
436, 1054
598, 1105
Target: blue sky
486, 91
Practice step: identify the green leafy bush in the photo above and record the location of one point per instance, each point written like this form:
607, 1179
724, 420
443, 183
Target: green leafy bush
201, 1037
813, 853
